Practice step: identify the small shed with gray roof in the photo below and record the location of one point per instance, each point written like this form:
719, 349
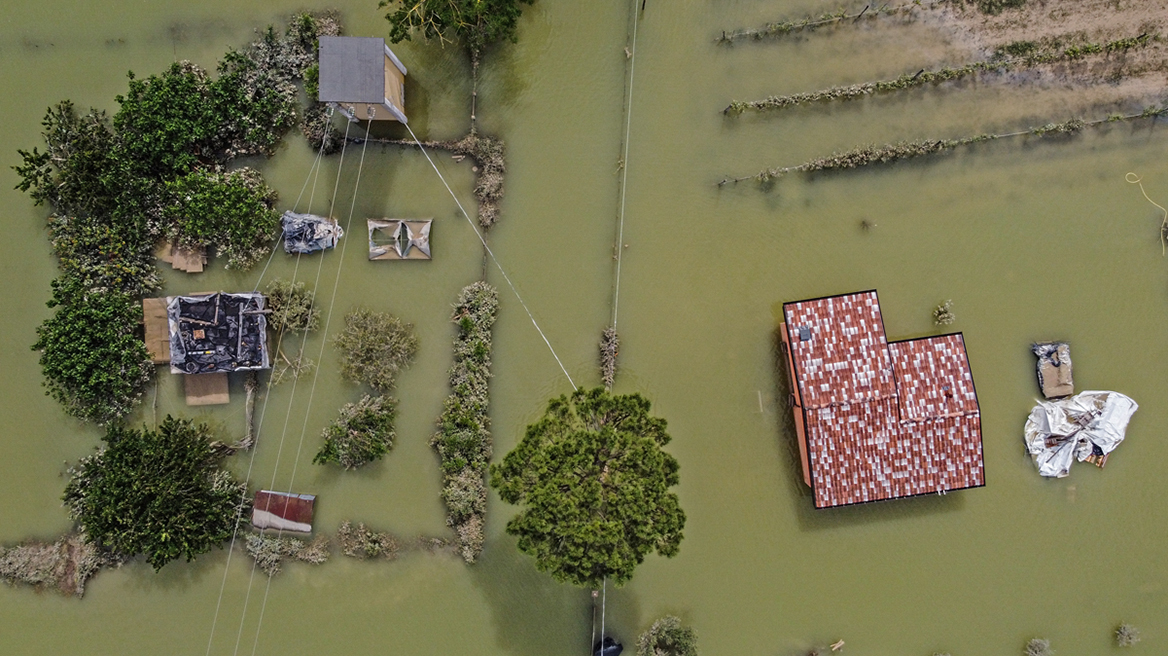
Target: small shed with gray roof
362, 78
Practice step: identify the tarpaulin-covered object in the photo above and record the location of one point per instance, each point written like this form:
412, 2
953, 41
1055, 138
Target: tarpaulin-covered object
1086, 426
308, 233
217, 332
399, 239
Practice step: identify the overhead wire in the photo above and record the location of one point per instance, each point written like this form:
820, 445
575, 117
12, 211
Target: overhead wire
492, 256
316, 372
263, 409
620, 239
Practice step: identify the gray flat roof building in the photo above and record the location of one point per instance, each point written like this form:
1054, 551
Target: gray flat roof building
362, 78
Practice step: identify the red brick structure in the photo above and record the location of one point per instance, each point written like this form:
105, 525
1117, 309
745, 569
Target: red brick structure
878, 420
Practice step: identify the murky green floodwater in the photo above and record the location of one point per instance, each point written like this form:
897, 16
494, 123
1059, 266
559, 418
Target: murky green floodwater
1031, 241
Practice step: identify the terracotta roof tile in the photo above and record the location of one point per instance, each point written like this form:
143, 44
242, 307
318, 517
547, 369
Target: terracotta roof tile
844, 358
933, 377
882, 420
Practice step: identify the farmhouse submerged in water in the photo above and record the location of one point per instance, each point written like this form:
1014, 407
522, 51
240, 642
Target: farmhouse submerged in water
878, 420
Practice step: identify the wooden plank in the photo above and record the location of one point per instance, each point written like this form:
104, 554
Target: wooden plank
157, 329
207, 389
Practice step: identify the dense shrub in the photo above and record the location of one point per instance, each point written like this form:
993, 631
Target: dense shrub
93, 362
156, 492
361, 434
292, 308
375, 347
463, 440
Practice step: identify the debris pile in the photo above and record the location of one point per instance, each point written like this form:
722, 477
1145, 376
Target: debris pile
308, 233
1087, 427
1054, 369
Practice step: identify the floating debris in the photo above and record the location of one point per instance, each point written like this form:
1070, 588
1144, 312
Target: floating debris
1087, 426
1054, 369
308, 233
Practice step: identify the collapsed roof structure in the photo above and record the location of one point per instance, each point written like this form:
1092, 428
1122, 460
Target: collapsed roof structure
308, 233
399, 239
878, 420
217, 332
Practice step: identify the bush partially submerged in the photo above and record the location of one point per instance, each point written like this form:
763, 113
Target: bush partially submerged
361, 542
1126, 635
64, 565
292, 307
156, 492
667, 637
374, 347
464, 437
1038, 647
361, 434
269, 553
943, 314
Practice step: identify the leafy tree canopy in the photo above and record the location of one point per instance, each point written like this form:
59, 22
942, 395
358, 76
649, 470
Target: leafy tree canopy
231, 211
595, 485
476, 23
158, 492
94, 363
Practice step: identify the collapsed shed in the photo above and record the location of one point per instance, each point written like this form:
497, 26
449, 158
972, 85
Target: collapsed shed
283, 511
399, 239
308, 233
220, 332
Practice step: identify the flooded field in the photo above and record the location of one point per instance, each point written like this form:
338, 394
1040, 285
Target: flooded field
1033, 239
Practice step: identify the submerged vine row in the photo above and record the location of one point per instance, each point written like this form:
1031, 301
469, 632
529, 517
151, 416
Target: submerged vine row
872, 154
1033, 57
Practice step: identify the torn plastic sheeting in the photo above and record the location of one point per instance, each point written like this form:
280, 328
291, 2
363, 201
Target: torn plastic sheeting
1058, 432
308, 233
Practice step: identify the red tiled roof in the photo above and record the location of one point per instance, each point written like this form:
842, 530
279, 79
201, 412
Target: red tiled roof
933, 378
844, 358
882, 420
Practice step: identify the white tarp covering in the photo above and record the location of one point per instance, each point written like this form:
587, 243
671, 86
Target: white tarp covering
1058, 432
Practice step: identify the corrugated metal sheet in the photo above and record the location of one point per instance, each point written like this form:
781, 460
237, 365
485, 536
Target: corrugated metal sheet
296, 508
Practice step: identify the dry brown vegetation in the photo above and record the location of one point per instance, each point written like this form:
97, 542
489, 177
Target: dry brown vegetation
64, 565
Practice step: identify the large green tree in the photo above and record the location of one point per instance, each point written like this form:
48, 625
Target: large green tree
475, 23
595, 482
158, 492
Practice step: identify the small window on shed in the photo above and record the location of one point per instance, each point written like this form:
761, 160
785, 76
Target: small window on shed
804, 333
